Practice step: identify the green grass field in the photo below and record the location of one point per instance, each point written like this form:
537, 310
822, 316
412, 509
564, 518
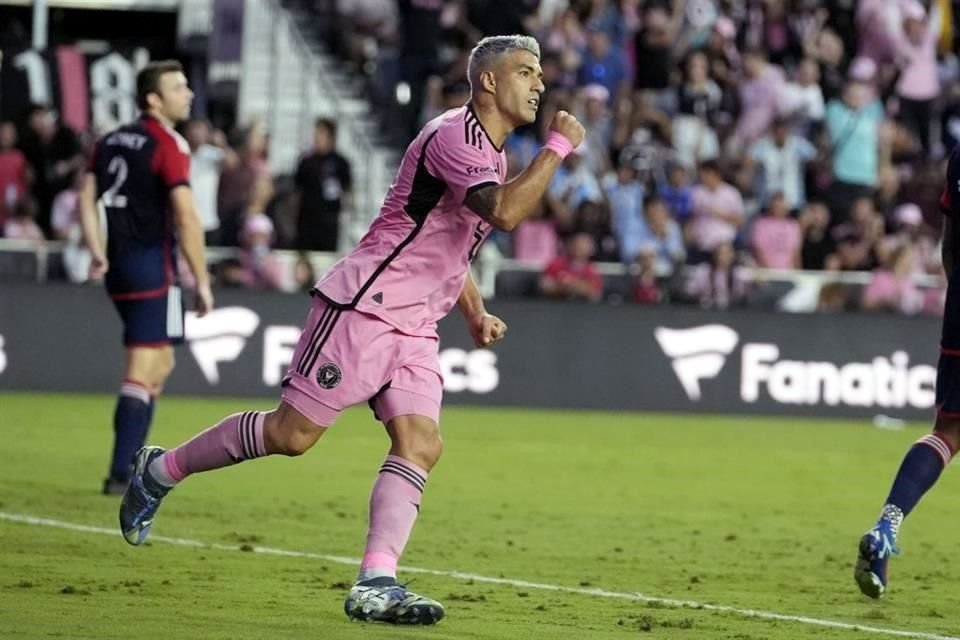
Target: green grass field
751, 513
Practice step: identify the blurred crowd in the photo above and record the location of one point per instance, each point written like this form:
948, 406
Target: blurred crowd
724, 138
241, 204
721, 134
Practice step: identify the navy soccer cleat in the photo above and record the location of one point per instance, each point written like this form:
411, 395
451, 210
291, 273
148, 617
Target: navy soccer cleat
876, 547
142, 498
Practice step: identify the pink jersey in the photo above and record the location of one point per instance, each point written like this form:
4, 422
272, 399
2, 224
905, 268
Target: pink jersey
409, 268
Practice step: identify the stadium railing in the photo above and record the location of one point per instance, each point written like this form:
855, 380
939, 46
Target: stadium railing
785, 290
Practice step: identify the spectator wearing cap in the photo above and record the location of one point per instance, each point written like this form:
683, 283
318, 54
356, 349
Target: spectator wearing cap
893, 286
853, 127
258, 267
910, 230
781, 158
717, 212
598, 122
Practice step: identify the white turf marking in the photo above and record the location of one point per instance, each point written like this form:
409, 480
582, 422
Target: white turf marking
597, 593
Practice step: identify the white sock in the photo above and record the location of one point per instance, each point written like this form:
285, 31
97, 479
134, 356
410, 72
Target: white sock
369, 573
158, 472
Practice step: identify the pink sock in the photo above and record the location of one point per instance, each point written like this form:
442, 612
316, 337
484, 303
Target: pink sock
394, 505
234, 439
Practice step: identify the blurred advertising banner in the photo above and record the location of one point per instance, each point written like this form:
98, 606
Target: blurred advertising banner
88, 90
63, 338
225, 51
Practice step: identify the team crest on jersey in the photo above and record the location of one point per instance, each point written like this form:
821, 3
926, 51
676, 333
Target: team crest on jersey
329, 375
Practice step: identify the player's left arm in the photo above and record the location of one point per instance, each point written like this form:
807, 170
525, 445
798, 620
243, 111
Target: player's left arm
192, 243
90, 227
484, 327
172, 165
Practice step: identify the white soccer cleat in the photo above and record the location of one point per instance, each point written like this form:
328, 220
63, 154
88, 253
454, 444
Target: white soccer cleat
384, 600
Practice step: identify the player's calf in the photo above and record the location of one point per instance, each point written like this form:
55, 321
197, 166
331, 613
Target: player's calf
289, 433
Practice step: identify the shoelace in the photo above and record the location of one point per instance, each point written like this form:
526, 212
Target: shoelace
146, 500
893, 516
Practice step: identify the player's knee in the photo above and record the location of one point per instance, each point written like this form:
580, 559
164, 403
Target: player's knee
288, 436
949, 428
421, 445
166, 366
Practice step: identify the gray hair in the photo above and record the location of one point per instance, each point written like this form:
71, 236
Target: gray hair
491, 48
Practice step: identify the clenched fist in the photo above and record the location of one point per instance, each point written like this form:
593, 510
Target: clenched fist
569, 127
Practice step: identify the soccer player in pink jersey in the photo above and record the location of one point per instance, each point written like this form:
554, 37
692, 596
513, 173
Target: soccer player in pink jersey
371, 335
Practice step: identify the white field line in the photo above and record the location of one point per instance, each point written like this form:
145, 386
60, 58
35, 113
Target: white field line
525, 584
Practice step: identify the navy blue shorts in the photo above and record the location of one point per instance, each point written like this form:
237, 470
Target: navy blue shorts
948, 368
152, 322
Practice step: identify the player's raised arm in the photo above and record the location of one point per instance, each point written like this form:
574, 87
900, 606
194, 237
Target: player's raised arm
90, 226
505, 206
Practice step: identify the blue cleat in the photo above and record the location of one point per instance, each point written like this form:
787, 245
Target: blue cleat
876, 547
384, 600
142, 498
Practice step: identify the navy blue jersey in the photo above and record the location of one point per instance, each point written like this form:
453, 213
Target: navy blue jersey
950, 198
136, 167
948, 368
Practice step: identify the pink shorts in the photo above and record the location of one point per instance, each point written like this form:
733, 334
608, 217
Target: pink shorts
345, 357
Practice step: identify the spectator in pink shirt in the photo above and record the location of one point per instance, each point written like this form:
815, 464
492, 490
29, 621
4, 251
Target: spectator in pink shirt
761, 94
716, 213
258, 268
919, 83
720, 283
14, 171
893, 288
777, 238
22, 225
535, 239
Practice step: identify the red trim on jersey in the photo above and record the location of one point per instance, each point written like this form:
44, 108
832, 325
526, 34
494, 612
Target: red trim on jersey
947, 415
136, 382
944, 202
141, 295
950, 352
